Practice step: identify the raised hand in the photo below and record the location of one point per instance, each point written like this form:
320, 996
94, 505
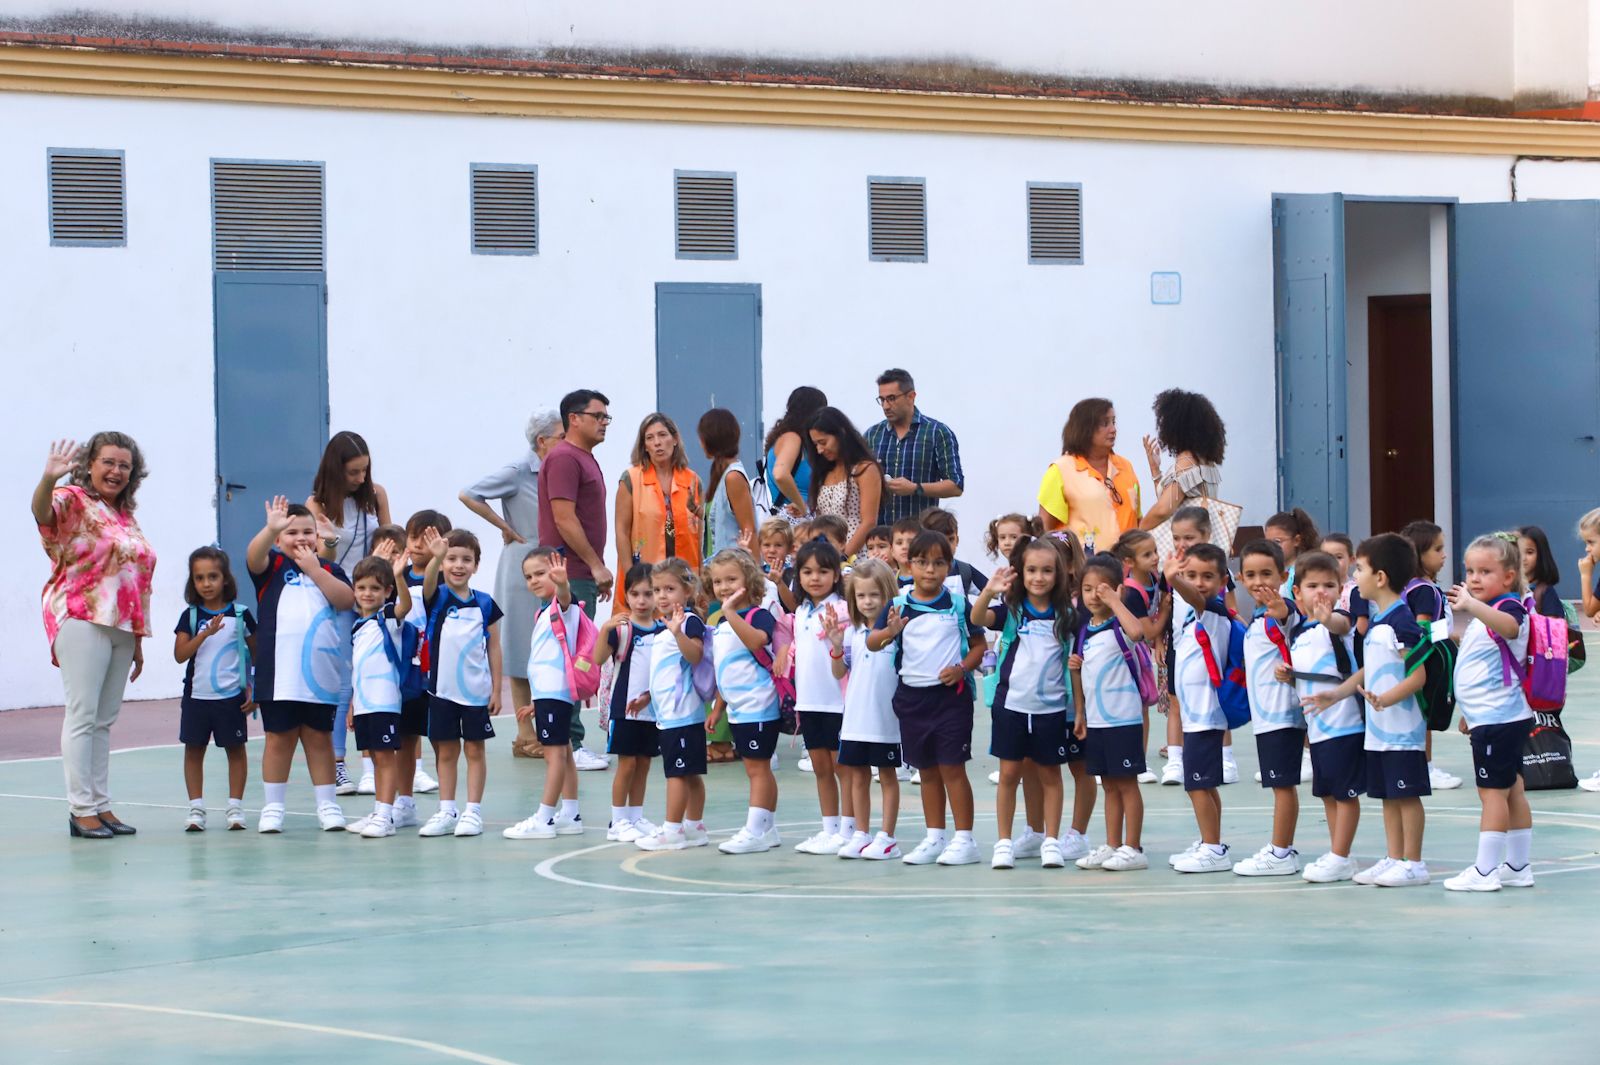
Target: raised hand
675, 621
433, 543
212, 627
1001, 582
58, 463
833, 629
326, 530
1174, 566
747, 539
558, 571
735, 599
1152, 451
278, 514
895, 624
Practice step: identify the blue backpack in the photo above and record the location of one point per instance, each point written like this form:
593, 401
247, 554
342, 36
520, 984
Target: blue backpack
424, 651
1229, 678
413, 682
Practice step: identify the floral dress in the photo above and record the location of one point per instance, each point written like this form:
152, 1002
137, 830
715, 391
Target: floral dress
101, 565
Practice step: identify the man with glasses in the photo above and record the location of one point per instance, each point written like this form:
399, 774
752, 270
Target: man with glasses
920, 457
572, 516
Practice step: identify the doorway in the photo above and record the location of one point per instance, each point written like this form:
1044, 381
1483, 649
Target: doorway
708, 354
1400, 409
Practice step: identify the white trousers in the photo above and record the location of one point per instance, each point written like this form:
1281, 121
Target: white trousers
95, 661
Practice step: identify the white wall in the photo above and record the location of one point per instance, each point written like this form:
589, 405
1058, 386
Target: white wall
1550, 50
1001, 349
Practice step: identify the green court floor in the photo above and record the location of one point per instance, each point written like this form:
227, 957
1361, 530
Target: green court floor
235, 947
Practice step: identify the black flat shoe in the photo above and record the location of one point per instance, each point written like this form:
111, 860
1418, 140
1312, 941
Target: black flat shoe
77, 831
118, 828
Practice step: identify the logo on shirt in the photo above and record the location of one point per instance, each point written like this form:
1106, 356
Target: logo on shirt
291, 577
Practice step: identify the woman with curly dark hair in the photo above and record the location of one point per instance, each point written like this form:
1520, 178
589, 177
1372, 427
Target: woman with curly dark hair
1189, 429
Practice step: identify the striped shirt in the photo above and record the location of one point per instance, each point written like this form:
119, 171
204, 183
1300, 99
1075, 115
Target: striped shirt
927, 453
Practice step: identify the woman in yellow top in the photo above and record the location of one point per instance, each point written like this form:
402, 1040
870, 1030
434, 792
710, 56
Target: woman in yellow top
649, 527
1090, 490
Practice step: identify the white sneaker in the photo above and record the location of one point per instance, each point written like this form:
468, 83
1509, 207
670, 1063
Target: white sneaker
696, 837
1126, 859
663, 840
1404, 874
359, 825
855, 845
882, 848
329, 816
1329, 869
1265, 863
1050, 856
235, 818
1172, 772
1369, 876
1305, 767
196, 821
1469, 879
1591, 782
927, 852
1442, 780
422, 783
368, 785
405, 817
619, 828
1146, 777
1003, 856
1028, 844
1258, 776
567, 826
342, 784
271, 819
1074, 846
470, 823
821, 843
1510, 877
1095, 858
1205, 860
644, 827
1174, 859
745, 841
916, 776
586, 761
1230, 767
377, 828
804, 765
994, 777
534, 827
960, 852
904, 773
442, 823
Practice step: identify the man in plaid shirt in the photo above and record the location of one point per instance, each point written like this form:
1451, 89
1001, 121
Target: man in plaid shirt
920, 457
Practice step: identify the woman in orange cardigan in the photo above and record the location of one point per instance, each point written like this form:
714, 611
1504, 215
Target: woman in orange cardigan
648, 527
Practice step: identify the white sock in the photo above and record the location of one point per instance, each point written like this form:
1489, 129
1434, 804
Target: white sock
1282, 852
405, 802
1174, 753
198, 804
963, 835
447, 806
569, 807
232, 802
1070, 833
1227, 754
695, 823
546, 813
1519, 848
1418, 864
633, 813
419, 763
1492, 847
847, 826
475, 808
672, 826
830, 825
383, 811
937, 835
274, 793
325, 793
1217, 848
619, 814
757, 821
366, 767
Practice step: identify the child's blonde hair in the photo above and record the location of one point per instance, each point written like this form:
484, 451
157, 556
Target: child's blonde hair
777, 529
1590, 522
869, 571
755, 582
679, 570
1507, 551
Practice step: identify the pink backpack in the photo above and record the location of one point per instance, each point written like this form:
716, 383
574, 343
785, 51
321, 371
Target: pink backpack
583, 679
1544, 672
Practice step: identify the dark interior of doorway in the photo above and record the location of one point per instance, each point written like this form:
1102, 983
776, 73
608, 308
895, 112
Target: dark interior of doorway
1400, 409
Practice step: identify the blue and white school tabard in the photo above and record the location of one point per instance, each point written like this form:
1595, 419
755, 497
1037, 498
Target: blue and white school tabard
418, 614
1197, 698
632, 676
1273, 705
869, 698
672, 678
375, 678
1033, 674
1110, 694
213, 672
1482, 695
1392, 634
816, 689
547, 665
1312, 650
458, 648
745, 684
935, 637
301, 649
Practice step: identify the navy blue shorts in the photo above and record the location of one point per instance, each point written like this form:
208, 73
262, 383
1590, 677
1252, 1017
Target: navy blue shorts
552, 720
378, 732
201, 719
1117, 751
632, 738
1339, 767
683, 750
1280, 754
759, 739
866, 753
449, 721
414, 716
1040, 738
935, 724
1400, 774
284, 715
820, 732
1497, 753
1202, 760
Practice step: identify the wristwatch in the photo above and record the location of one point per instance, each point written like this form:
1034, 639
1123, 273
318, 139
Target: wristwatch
330, 541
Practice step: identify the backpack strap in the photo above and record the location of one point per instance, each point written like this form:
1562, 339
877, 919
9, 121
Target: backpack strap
1127, 651
241, 645
194, 621
1274, 633
763, 655
1204, 638
624, 633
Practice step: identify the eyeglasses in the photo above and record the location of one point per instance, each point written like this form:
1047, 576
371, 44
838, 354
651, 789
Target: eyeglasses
1116, 496
884, 401
600, 417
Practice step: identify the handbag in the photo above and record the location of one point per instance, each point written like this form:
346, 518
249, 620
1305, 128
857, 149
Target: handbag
1224, 525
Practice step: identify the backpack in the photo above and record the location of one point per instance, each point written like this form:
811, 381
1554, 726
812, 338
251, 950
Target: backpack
1141, 664
1543, 673
1437, 699
481, 600
1228, 680
1341, 657
413, 681
760, 493
583, 679
239, 638
767, 658
609, 671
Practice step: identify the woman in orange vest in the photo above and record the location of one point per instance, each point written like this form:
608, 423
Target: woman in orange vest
659, 506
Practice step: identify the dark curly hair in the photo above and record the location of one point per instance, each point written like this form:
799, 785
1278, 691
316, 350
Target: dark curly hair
1186, 421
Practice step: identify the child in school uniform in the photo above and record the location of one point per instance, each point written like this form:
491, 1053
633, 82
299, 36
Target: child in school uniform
388, 543
1190, 526
299, 659
776, 542
819, 699
680, 708
1495, 714
377, 665
632, 736
1146, 600
411, 779
216, 686
879, 544
1199, 578
1426, 599
869, 734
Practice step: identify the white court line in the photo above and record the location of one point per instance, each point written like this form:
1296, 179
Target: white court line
318, 1029
119, 750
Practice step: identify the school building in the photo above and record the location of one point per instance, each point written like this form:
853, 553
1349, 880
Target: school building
1369, 231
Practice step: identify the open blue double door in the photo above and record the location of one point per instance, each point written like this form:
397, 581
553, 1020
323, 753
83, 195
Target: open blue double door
1525, 365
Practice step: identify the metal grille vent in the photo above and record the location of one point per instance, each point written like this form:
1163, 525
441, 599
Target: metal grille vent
505, 209
1055, 223
706, 211
267, 216
897, 220
88, 198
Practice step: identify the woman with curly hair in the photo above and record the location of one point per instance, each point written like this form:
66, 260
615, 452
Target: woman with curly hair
96, 608
1189, 429
1090, 489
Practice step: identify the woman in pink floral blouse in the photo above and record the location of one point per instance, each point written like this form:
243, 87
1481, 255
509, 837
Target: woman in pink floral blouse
96, 608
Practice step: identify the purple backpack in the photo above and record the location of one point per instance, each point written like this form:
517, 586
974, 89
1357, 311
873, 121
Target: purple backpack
1544, 672
1139, 660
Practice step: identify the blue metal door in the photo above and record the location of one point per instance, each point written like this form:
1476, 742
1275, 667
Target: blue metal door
1526, 384
708, 354
1309, 342
272, 395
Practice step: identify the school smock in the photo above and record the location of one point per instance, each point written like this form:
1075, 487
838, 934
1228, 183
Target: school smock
375, 680
214, 671
1482, 695
1312, 651
418, 614
1110, 693
1274, 705
1033, 674
816, 689
745, 684
672, 691
869, 697
628, 682
1198, 699
300, 646
458, 646
547, 666
936, 636
1394, 631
